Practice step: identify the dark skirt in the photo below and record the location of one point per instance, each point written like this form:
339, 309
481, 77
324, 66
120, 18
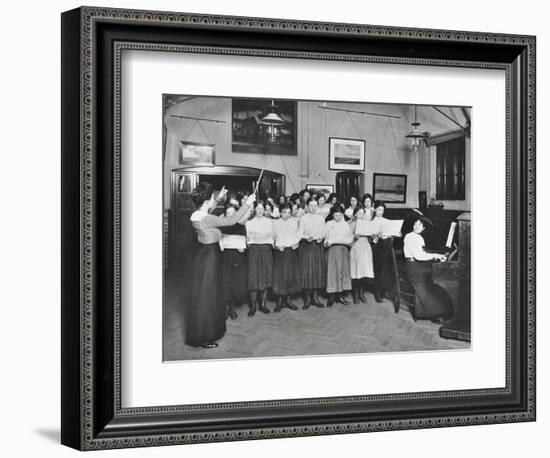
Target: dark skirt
386, 277
235, 276
433, 301
313, 265
206, 311
286, 270
338, 269
260, 267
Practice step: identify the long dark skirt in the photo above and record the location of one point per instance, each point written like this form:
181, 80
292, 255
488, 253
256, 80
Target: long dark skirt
434, 301
386, 277
338, 269
286, 271
235, 276
206, 312
313, 265
260, 267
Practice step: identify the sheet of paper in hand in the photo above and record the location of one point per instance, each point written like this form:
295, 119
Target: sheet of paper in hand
365, 227
233, 242
392, 228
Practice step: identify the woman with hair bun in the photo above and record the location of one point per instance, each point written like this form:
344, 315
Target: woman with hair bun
434, 303
338, 240
234, 262
286, 268
362, 271
386, 277
205, 317
313, 268
259, 235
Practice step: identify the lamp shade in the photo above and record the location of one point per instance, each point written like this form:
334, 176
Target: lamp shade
273, 119
415, 132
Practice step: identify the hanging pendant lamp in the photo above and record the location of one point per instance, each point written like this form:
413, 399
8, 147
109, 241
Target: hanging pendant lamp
415, 135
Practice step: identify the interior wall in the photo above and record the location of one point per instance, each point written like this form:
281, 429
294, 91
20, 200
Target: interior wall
387, 149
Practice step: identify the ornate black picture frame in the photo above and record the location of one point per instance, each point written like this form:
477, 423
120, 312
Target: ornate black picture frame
92, 42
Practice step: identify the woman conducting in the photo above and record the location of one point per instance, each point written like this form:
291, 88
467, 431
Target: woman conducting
434, 303
205, 321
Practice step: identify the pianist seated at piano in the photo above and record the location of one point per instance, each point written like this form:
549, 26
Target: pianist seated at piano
434, 303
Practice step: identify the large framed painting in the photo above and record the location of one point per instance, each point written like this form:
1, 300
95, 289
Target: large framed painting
195, 254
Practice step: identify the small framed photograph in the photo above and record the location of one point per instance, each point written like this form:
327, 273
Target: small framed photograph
197, 154
389, 188
346, 154
326, 189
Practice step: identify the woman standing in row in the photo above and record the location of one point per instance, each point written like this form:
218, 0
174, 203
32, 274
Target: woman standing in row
353, 202
338, 239
386, 276
312, 255
362, 271
366, 201
286, 266
259, 235
205, 317
234, 262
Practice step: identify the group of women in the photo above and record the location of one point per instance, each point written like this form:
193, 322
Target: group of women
303, 244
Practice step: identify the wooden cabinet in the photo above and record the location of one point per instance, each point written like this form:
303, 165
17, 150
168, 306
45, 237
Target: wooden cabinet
349, 184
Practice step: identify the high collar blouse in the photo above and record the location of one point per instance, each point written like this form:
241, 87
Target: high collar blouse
338, 233
413, 247
207, 225
312, 225
259, 230
286, 233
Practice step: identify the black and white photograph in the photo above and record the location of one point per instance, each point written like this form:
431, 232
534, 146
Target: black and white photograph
321, 228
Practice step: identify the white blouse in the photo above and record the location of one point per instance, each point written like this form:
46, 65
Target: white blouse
259, 231
286, 233
323, 210
312, 225
413, 247
349, 212
338, 233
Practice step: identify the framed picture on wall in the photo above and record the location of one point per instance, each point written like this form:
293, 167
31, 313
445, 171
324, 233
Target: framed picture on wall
197, 154
346, 154
325, 189
264, 126
120, 387
389, 188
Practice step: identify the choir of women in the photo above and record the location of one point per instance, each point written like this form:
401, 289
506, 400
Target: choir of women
302, 244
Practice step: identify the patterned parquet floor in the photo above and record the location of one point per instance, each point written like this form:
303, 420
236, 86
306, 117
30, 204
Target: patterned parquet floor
354, 328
